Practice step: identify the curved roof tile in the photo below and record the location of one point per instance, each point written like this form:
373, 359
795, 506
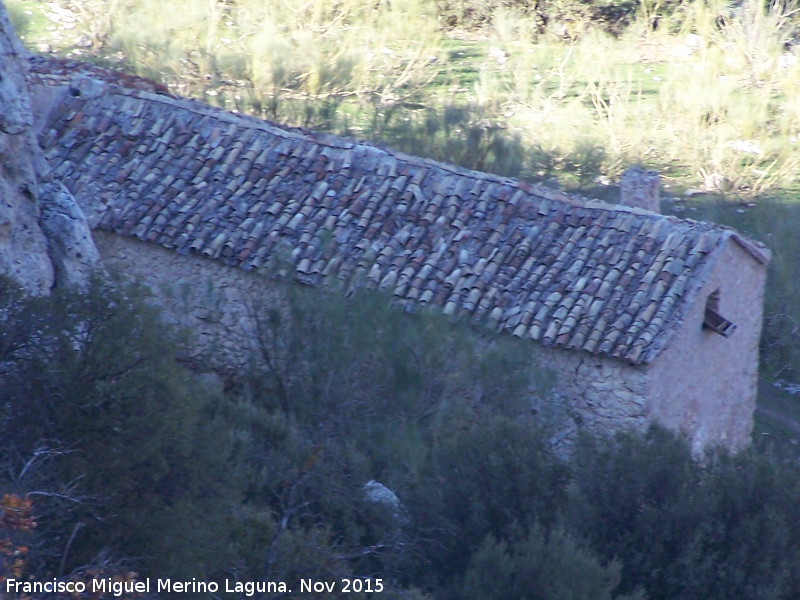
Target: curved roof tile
532, 261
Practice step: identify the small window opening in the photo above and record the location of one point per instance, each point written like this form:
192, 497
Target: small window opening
715, 321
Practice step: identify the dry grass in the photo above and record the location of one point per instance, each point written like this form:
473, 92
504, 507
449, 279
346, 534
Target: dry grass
717, 109
711, 98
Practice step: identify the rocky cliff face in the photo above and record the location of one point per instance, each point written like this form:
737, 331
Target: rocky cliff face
44, 238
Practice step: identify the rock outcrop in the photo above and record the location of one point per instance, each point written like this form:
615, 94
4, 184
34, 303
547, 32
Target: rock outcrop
44, 239
69, 239
23, 247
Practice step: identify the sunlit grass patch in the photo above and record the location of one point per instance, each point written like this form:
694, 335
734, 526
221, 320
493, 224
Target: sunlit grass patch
28, 19
710, 97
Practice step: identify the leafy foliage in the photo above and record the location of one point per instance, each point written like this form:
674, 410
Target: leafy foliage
496, 478
132, 463
91, 379
351, 390
546, 565
719, 529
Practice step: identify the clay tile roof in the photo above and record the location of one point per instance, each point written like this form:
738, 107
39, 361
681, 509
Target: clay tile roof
532, 261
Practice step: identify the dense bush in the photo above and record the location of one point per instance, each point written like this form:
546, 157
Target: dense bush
496, 479
610, 15
351, 390
727, 527
120, 447
365, 442
544, 565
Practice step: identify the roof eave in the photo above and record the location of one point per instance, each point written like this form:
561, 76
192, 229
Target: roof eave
757, 250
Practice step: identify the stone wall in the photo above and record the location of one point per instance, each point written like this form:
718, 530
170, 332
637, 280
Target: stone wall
601, 394
214, 303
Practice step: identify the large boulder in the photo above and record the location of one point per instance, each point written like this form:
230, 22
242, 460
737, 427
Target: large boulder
69, 239
27, 194
386, 500
23, 247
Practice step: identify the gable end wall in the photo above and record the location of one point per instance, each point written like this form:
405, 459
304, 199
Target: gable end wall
705, 384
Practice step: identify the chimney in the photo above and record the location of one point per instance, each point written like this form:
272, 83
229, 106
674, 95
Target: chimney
639, 188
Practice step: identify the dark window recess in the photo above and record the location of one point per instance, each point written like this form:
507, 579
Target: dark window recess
715, 321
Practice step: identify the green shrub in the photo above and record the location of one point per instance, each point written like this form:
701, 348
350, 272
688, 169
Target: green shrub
574, 16
91, 379
723, 528
364, 392
491, 477
127, 455
546, 565
475, 14
356, 362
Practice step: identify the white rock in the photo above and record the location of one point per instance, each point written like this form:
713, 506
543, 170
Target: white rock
69, 239
23, 248
31, 206
379, 494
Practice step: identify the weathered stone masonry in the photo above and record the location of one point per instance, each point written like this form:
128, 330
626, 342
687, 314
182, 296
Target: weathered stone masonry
215, 304
212, 301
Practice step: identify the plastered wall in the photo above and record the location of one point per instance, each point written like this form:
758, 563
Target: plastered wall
703, 383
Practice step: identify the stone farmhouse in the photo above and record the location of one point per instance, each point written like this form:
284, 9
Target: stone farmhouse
641, 317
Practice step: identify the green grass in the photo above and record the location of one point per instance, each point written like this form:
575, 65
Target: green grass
354, 68
778, 416
29, 21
